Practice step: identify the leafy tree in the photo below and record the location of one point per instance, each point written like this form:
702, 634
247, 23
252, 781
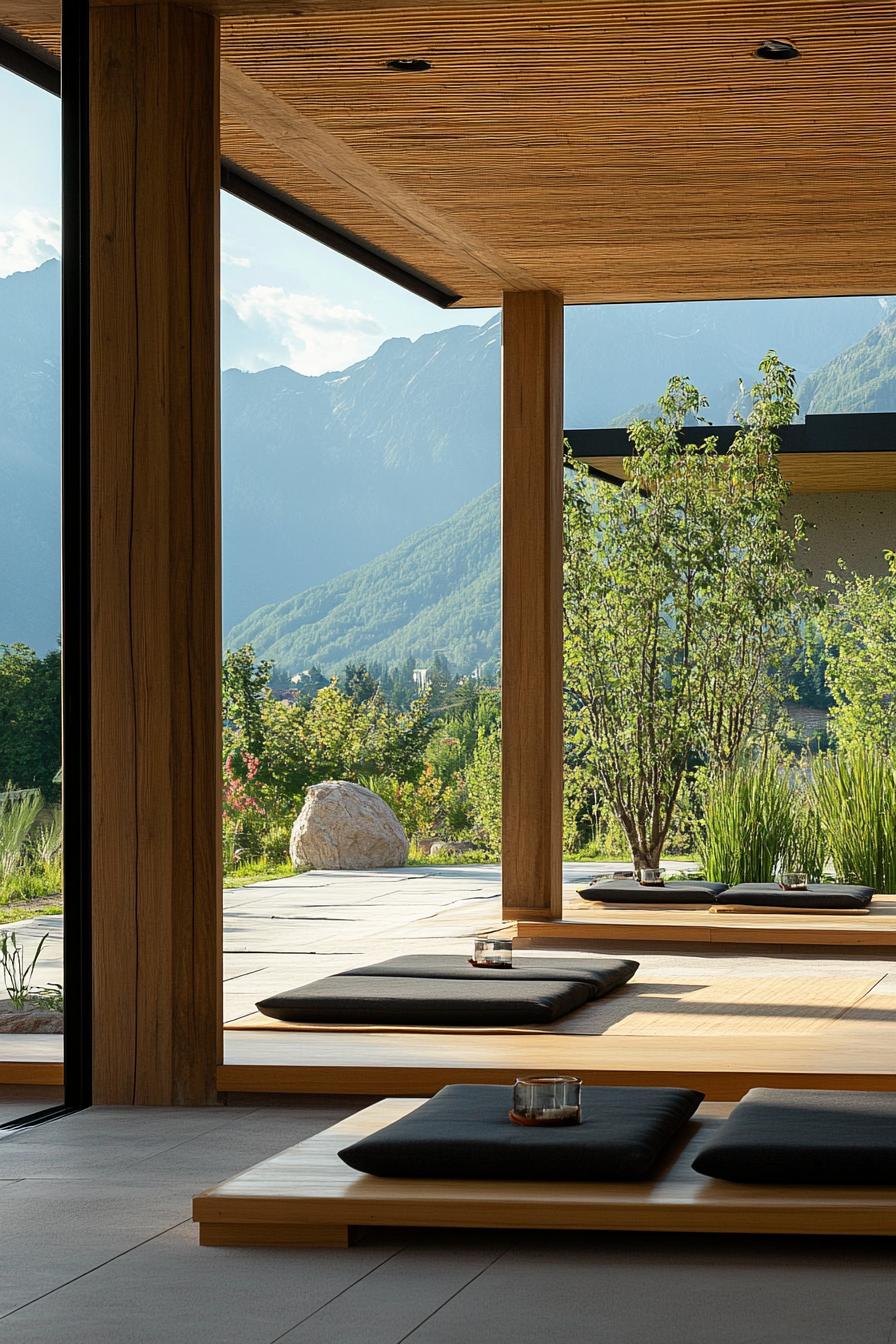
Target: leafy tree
335, 738
484, 787
859, 624
358, 683
682, 601
245, 688
30, 718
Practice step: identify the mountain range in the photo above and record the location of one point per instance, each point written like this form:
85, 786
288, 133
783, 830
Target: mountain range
360, 514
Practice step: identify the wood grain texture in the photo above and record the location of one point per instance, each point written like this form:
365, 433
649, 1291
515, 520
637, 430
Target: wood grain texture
309, 1187
532, 604
155, 554
590, 922
723, 1067
609, 153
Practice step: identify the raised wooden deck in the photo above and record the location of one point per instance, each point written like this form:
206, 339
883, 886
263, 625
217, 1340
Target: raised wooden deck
306, 1196
588, 922
722, 1067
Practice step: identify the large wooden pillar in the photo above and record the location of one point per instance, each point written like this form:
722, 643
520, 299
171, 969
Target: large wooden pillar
532, 604
156, 646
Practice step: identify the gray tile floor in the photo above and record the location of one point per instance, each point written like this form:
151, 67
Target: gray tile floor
97, 1247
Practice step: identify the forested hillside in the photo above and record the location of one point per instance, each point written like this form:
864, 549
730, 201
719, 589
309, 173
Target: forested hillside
435, 592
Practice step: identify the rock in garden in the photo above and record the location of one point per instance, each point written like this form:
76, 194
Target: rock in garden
31, 1019
343, 825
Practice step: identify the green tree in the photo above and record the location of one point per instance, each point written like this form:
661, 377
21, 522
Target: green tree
682, 601
484, 787
859, 625
358, 683
333, 737
244, 691
30, 718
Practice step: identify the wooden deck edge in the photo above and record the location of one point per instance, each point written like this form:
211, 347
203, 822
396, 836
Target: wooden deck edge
718, 1084
28, 1073
582, 931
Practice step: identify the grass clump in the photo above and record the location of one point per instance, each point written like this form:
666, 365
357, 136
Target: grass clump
854, 795
748, 824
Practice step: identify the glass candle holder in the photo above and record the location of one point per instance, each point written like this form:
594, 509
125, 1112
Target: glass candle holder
496, 953
547, 1101
651, 877
795, 881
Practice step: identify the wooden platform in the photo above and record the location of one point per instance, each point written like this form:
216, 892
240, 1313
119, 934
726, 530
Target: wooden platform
723, 1067
306, 1196
589, 922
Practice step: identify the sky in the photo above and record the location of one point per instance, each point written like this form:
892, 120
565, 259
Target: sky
299, 303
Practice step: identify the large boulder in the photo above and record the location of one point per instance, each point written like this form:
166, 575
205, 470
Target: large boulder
343, 825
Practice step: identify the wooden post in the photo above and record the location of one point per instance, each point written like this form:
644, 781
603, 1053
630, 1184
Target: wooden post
532, 605
155, 553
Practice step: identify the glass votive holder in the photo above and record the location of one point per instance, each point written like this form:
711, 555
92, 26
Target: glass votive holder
547, 1101
651, 877
795, 881
496, 953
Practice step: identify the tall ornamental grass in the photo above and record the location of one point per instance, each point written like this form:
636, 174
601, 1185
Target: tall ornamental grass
748, 824
17, 817
854, 794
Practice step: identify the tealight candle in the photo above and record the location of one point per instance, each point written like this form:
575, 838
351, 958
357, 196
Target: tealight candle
651, 877
547, 1101
496, 953
794, 881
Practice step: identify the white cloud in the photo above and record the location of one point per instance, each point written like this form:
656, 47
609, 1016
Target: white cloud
229, 259
29, 240
309, 334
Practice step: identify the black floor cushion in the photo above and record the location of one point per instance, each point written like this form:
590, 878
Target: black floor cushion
817, 896
782, 1137
626, 891
602, 974
464, 1133
409, 1001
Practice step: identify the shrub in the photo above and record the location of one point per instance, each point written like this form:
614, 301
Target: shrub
855, 796
859, 625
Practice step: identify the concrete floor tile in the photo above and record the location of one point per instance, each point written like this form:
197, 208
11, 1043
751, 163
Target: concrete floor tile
171, 1291
387, 1305
684, 1290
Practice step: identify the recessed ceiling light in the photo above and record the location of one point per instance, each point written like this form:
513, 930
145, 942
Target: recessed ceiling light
776, 49
408, 65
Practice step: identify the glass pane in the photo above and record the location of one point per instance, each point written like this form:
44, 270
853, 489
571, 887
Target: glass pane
360, 439
31, 920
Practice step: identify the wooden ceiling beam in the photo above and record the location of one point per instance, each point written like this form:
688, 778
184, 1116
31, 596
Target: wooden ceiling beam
304, 141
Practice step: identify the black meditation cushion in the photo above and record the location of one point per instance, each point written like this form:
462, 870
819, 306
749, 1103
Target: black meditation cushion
412, 1001
601, 974
793, 1137
817, 896
627, 891
464, 1132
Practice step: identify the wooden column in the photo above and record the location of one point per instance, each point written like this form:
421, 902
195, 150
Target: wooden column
532, 604
155, 554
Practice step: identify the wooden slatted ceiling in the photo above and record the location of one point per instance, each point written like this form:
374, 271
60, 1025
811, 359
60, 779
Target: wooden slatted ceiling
610, 154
